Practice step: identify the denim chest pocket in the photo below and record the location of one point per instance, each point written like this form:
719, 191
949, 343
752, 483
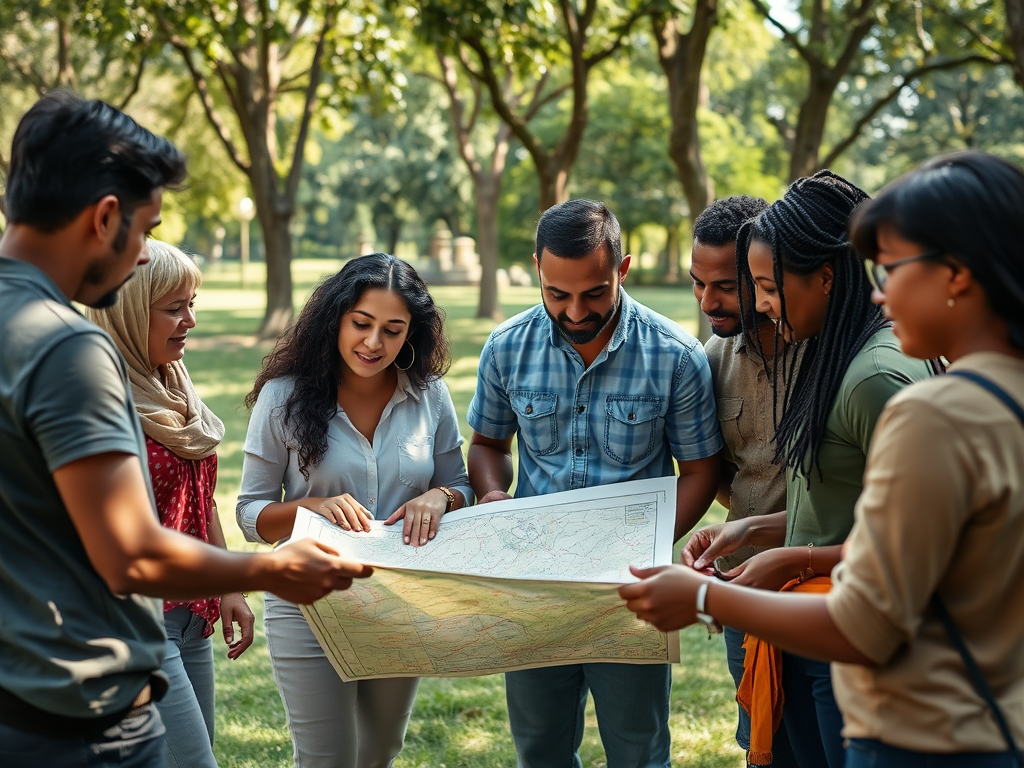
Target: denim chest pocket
536, 415
630, 427
729, 411
416, 461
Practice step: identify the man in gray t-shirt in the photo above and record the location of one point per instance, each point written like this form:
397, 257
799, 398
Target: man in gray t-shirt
80, 540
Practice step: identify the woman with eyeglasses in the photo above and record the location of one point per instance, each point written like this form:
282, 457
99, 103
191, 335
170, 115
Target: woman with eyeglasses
796, 260
940, 522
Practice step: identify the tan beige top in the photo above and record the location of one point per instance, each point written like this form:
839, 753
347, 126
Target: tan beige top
743, 394
942, 508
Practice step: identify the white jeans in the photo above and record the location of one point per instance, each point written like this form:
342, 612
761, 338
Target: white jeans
334, 724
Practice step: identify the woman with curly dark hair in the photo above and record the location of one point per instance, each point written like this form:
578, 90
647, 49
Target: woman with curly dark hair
350, 419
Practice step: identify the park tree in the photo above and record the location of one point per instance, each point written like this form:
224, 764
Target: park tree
393, 166
97, 49
682, 35
557, 45
485, 158
623, 159
682, 42
889, 45
263, 73
1015, 36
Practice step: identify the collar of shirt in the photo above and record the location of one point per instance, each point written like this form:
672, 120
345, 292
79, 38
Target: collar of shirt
15, 269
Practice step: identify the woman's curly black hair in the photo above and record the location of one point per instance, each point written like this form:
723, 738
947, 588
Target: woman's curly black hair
308, 352
806, 230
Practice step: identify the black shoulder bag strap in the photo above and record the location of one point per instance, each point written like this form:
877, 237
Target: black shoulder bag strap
973, 670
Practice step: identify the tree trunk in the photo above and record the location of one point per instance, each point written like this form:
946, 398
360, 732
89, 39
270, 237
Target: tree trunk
672, 254
1015, 36
394, 232
681, 56
488, 191
810, 128
278, 242
553, 182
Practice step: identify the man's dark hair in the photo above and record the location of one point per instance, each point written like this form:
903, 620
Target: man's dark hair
572, 229
806, 230
720, 222
932, 205
309, 354
68, 153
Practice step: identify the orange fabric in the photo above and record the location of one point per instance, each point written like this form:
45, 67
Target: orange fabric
760, 690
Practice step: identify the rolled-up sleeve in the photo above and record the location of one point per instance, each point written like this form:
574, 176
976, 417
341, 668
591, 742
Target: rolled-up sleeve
265, 460
490, 412
908, 519
692, 418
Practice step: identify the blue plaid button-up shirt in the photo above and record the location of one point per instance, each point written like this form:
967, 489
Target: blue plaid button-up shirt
646, 398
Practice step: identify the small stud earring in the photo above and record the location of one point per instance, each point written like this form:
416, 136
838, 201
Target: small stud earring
950, 302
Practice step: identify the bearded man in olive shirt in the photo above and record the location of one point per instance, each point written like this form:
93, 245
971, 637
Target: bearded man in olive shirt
750, 483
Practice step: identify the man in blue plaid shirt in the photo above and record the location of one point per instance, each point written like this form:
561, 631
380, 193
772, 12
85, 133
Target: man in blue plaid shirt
599, 390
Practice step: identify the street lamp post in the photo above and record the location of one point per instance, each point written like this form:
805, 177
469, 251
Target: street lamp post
246, 211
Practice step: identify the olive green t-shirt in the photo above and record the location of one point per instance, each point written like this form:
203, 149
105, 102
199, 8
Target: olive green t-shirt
822, 513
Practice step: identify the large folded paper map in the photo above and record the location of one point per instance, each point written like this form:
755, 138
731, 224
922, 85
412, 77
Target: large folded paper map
507, 585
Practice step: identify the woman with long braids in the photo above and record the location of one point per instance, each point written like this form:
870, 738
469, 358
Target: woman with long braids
802, 272
350, 419
931, 580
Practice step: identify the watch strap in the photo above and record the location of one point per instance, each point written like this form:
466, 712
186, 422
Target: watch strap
702, 593
451, 497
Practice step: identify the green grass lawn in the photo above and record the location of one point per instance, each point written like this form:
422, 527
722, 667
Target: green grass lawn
460, 722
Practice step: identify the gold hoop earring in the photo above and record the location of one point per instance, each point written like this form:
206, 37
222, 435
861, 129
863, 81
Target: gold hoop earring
950, 302
412, 358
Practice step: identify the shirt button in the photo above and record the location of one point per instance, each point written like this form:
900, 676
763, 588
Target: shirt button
529, 409
580, 408
373, 500
579, 451
632, 417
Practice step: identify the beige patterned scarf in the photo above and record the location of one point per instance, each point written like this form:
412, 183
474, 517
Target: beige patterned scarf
165, 399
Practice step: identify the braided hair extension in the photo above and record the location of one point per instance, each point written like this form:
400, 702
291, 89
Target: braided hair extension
806, 230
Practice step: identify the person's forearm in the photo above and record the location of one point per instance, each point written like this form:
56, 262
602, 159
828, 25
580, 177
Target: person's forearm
724, 495
276, 520
694, 494
798, 623
180, 567
766, 530
489, 469
215, 531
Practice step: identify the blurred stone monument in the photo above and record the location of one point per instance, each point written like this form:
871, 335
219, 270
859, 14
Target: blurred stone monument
364, 244
450, 261
518, 275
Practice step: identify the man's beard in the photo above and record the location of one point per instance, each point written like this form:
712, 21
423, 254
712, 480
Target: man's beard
584, 337
96, 274
724, 334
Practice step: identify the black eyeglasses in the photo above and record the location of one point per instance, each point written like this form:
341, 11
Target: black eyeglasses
877, 273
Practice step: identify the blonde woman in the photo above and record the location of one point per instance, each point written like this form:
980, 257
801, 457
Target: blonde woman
150, 324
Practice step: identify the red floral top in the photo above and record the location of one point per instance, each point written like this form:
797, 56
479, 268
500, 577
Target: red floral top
184, 498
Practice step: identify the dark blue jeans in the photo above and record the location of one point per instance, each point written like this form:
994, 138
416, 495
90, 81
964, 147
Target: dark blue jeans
782, 753
135, 742
812, 718
869, 753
